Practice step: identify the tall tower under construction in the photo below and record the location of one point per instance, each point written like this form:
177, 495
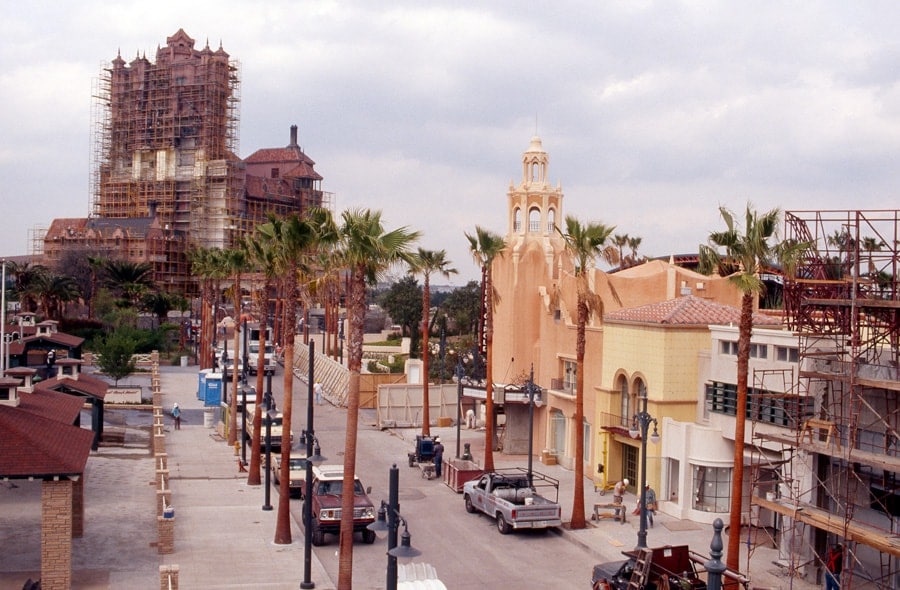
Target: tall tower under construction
166, 177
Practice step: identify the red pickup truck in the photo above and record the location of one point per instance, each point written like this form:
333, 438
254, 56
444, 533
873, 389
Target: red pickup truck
327, 490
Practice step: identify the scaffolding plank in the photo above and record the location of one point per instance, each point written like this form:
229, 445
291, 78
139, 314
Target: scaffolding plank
878, 539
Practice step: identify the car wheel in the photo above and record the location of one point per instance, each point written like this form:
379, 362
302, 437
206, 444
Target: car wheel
504, 527
470, 508
368, 536
318, 535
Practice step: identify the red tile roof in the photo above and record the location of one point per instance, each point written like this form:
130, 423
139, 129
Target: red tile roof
85, 384
686, 311
38, 438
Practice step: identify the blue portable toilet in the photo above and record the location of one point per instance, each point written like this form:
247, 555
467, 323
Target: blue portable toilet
213, 394
201, 383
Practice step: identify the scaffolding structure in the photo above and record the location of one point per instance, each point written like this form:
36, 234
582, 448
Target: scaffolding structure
830, 475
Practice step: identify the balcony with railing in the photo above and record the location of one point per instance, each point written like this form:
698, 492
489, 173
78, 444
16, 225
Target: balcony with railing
563, 385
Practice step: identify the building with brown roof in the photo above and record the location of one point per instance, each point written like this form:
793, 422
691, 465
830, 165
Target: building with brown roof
166, 175
40, 438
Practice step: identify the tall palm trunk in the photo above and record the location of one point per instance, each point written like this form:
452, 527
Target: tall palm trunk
253, 477
356, 316
232, 422
289, 305
740, 415
578, 520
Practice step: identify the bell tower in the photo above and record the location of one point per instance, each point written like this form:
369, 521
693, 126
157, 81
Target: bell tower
534, 206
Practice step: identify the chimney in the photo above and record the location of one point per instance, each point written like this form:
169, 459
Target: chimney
293, 136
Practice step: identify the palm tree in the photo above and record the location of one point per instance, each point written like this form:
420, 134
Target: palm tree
295, 240
129, 279
485, 247
583, 244
749, 250
25, 275
236, 261
366, 251
633, 244
872, 245
52, 290
428, 262
263, 252
620, 241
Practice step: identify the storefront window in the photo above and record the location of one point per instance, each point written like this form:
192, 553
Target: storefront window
712, 488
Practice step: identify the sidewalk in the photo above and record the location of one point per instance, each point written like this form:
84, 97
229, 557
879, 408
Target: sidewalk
223, 538
219, 518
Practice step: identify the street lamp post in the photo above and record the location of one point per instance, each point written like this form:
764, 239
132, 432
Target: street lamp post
244, 424
389, 519
639, 426
531, 389
270, 415
313, 457
459, 391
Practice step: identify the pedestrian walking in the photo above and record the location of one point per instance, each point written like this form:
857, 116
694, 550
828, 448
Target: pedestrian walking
176, 415
834, 565
438, 456
317, 388
650, 496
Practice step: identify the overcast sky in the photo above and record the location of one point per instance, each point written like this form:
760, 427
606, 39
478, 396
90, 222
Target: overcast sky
653, 113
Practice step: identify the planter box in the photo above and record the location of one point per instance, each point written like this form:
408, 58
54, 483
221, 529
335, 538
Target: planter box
457, 472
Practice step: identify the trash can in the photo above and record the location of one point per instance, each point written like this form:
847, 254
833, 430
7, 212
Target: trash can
184, 361
208, 417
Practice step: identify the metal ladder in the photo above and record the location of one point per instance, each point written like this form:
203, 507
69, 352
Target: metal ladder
641, 569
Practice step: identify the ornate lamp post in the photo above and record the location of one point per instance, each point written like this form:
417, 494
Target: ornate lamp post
270, 416
313, 457
639, 426
389, 520
532, 389
459, 391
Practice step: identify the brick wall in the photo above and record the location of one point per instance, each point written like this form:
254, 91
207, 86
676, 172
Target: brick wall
56, 535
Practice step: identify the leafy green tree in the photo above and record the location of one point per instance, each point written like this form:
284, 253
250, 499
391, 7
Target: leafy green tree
53, 291
583, 244
428, 262
116, 354
366, 250
463, 305
403, 302
749, 249
25, 276
485, 247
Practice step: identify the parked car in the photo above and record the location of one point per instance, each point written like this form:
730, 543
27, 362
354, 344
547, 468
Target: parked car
328, 489
297, 470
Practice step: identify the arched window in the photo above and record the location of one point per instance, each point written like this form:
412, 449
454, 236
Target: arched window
551, 221
517, 220
625, 401
534, 220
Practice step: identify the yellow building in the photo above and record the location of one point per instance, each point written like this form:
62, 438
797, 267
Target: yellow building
535, 326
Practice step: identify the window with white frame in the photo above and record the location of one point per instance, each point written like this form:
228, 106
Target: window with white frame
712, 488
728, 347
759, 351
570, 373
787, 354
625, 407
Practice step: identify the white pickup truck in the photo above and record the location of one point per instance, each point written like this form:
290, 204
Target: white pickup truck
268, 360
510, 497
275, 429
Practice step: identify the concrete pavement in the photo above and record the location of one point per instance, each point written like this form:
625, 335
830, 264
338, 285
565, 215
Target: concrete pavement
223, 539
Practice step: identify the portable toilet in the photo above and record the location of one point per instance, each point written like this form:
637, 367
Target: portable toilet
213, 393
201, 383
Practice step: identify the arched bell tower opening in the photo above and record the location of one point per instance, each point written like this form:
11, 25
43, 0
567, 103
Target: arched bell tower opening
534, 205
